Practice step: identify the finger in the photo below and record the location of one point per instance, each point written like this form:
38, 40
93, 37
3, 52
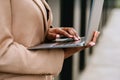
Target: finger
69, 30
90, 44
64, 33
95, 36
76, 34
52, 36
94, 39
72, 32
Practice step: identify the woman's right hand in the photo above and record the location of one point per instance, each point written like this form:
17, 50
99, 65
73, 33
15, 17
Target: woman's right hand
56, 32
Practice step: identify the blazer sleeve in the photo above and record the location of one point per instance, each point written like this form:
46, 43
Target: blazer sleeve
15, 58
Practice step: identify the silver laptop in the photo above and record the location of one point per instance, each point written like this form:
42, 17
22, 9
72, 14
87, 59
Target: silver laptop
93, 25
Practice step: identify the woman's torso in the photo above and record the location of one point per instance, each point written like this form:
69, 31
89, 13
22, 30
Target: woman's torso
29, 21
29, 26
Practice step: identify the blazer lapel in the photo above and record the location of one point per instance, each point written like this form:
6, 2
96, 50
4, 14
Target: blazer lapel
43, 10
50, 19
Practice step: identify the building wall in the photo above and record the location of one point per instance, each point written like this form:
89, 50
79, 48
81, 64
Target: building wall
73, 13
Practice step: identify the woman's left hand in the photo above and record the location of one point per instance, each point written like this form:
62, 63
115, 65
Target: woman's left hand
70, 51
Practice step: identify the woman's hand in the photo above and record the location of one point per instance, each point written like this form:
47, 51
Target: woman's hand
54, 33
70, 51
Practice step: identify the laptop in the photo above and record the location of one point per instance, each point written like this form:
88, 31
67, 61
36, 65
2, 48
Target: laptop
93, 25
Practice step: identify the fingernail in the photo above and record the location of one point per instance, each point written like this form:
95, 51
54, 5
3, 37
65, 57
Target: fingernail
92, 43
57, 36
79, 38
76, 38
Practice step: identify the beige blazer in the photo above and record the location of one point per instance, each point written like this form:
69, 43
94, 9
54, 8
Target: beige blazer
24, 23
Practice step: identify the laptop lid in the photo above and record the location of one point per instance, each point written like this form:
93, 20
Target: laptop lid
94, 19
